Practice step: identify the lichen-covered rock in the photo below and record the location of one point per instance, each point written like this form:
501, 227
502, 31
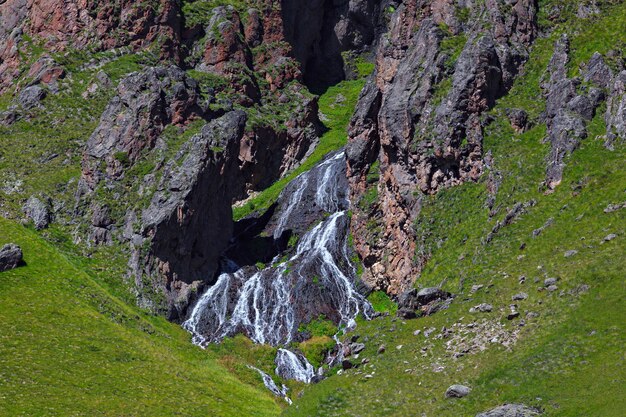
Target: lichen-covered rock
510, 410
10, 256
38, 212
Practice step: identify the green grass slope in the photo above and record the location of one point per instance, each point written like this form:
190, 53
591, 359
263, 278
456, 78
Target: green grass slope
568, 358
69, 348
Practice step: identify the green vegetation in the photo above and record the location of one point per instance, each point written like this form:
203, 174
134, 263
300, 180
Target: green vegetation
362, 64
381, 302
337, 104
69, 347
320, 326
316, 348
569, 360
199, 12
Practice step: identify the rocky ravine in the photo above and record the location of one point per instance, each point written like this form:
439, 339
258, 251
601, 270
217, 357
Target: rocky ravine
172, 202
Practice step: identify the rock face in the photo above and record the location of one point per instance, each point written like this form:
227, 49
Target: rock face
566, 112
146, 102
320, 30
510, 410
189, 220
10, 257
38, 212
131, 135
85, 23
419, 116
570, 105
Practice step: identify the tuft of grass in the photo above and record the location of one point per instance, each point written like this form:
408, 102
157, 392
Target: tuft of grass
319, 327
381, 302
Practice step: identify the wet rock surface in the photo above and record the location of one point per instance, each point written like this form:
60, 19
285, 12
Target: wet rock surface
268, 303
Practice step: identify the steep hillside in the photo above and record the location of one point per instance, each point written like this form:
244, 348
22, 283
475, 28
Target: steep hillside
497, 241
71, 348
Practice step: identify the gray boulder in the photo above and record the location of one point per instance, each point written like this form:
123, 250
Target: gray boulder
510, 410
426, 295
38, 212
10, 256
457, 391
31, 96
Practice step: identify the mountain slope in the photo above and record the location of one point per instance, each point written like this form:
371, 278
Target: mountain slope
485, 159
70, 348
563, 352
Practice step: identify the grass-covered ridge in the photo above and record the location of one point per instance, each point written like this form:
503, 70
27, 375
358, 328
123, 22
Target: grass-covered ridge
68, 347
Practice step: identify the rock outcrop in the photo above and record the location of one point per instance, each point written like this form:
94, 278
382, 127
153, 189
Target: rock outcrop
84, 23
10, 257
188, 223
38, 212
616, 112
572, 102
420, 116
146, 102
566, 112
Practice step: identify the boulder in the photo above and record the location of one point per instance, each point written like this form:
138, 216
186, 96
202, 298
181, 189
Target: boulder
427, 295
408, 300
457, 391
483, 308
406, 313
356, 348
38, 212
31, 97
10, 257
519, 120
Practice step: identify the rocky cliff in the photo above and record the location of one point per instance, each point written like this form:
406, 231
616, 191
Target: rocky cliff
419, 122
253, 60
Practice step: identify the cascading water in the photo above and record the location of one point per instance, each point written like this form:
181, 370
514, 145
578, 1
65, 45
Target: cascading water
269, 304
292, 366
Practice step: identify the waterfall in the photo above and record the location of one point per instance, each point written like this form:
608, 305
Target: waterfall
292, 366
271, 385
269, 304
